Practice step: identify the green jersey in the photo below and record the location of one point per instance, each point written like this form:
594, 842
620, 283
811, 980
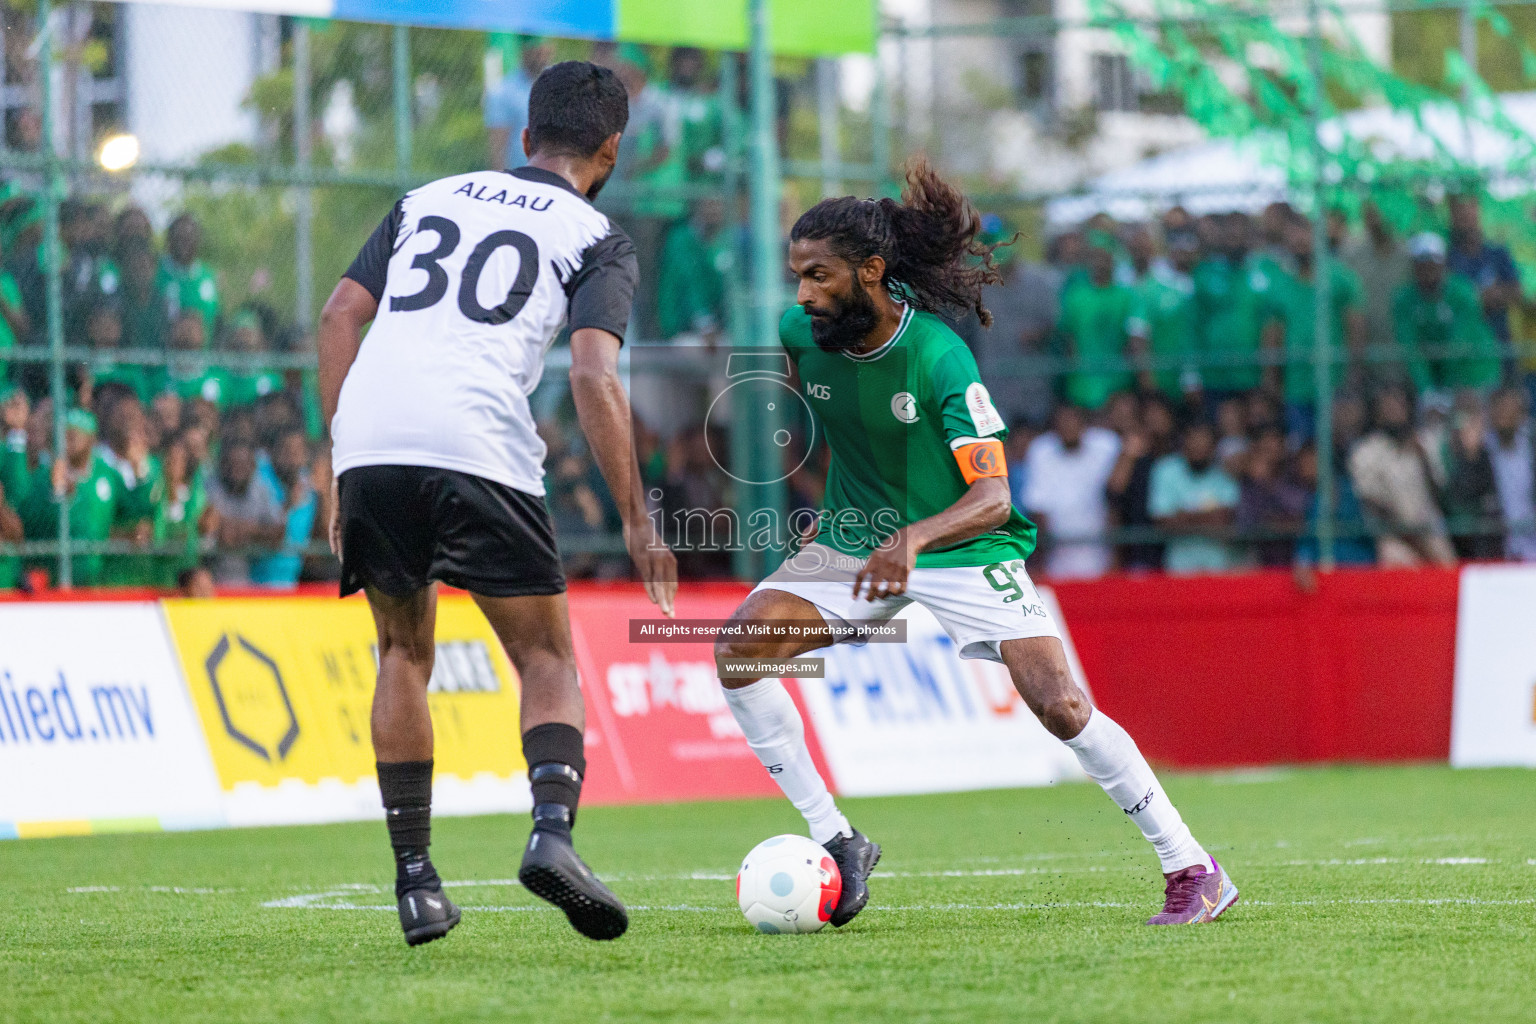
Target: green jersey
892, 419
245, 387
136, 376
309, 403
13, 491
690, 292
10, 295
15, 477
189, 288
138, 494
177, 515
1228, 328
144, 323
197, 381
1163, 312
1094, 320
702, 132
1453, 317
1291, 300
92, 512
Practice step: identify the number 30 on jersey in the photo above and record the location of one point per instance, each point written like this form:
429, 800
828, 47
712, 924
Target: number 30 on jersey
449, 236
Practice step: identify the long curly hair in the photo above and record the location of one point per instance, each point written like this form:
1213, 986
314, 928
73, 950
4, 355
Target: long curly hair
927, 239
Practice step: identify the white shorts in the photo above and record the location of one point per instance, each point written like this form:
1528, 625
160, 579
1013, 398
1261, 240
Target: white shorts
978, 606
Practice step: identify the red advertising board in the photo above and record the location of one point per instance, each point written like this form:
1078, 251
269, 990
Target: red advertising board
1252, 669
658, 727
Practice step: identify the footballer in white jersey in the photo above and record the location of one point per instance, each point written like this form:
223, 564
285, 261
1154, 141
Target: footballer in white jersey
440, 471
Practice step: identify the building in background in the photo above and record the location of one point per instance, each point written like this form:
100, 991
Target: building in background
1056, 107
178, 78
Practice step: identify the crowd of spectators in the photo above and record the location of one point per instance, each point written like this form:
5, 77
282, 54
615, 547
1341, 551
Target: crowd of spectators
1181, 435
1159, 378
187, 461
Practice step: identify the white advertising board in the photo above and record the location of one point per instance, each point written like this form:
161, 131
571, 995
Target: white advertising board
1493, 715
96, 729
896, 718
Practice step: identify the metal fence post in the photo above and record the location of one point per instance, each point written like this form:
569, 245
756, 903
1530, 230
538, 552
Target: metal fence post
1322, 309
304, 208
53, 268
765, 189
740, 313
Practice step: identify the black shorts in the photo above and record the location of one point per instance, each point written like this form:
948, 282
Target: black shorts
404, 526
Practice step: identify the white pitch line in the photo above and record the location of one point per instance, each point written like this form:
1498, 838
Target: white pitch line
710, 876
1466, 901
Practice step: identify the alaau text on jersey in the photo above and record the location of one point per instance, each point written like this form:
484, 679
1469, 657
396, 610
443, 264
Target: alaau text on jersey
474, 276
893, 419
534, 203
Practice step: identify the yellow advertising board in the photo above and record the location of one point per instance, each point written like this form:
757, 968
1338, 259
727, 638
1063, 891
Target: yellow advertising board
283, 688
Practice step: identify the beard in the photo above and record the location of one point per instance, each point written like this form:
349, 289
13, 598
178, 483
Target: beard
845, 326
597, 185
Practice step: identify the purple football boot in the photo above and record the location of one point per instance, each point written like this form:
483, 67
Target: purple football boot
1196, 896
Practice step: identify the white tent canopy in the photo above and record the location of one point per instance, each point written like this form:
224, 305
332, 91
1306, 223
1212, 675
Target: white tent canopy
1232, 174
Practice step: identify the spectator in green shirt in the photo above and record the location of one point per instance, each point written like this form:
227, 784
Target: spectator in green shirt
188, 372
696, 109
1162, 323
11, 532
86, 486
185, 282
104, 333
145, 324
1228, 331
1441, 331
21, 238
15, 411
690, 295
132, 230
140, 485
15, 325
1288, 306
89, 275
182, 518
165, 409
13, 477
1094, 317
249, 381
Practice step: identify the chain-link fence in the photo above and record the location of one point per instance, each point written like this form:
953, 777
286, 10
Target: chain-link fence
1224, 274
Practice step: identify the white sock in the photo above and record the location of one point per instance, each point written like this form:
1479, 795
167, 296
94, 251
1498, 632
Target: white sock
1109, 756
775, 732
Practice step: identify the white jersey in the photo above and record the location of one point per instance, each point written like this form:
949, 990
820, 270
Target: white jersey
475, 275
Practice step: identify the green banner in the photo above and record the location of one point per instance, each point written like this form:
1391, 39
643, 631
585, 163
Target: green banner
801, 28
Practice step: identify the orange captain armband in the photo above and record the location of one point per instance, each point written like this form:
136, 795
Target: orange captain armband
981, 459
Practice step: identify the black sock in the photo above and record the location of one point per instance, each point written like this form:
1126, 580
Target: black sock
556, 764
406, 787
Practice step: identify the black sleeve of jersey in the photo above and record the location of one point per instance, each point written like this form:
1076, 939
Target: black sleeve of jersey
603, 290
371, 268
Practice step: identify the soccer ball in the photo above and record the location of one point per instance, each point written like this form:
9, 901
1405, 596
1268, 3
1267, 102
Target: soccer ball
788, 884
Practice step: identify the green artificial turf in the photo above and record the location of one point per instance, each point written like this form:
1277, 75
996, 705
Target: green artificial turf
1403, 894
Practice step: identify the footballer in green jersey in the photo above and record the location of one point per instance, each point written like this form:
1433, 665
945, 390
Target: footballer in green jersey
917, 509
893, 419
